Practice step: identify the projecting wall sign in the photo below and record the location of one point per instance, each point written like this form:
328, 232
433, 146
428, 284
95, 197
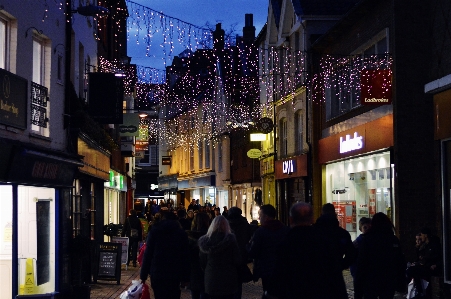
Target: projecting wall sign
350, 144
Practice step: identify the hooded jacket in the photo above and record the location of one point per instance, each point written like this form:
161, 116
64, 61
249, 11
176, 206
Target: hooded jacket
220, 258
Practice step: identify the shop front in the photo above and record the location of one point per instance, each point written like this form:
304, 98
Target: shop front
168, 184
441, 91
200, 188
115, 191
290, 174
358, 172
35, 187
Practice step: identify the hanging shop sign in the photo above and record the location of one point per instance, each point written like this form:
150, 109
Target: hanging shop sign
13, 100
106, 95
254, 153
376, 87
130, 125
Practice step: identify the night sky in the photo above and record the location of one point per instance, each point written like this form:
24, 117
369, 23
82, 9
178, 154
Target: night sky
230, 13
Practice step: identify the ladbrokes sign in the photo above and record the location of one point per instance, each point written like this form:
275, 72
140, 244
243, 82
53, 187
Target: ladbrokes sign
376, 87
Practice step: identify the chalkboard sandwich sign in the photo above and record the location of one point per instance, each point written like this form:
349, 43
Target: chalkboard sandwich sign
108, 262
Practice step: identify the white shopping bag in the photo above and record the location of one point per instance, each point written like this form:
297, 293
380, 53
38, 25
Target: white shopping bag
412, 291
134, 291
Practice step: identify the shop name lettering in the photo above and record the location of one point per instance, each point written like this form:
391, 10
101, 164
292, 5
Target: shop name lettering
44, 170
9, 108
374, 100
351, 144
288, 167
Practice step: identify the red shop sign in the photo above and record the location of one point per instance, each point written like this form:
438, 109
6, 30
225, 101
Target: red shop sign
376, 87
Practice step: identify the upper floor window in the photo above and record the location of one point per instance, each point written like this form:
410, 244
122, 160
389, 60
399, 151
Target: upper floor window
342, 87
191, 158
220, 157
3, 43
299, 132
39, 94
200, 149
207, 154
283, 137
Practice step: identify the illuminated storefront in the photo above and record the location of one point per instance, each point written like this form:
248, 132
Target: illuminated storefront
35, 186
358, 172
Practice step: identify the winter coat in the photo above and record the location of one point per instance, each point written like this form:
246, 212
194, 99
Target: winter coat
263, 248
167, 252
135, 223
303, 269
340, 237
196, 272
220, 258
431, 254
243, 232
380, 264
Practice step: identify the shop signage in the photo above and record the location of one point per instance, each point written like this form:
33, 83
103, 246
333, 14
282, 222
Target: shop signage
116, 181
254, 153
197, 182
130, 125
376, 87
106, 95
289, 166
350, 144
13, 100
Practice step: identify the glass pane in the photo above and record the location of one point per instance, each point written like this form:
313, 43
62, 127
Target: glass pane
3, 44
6, 237
36, 240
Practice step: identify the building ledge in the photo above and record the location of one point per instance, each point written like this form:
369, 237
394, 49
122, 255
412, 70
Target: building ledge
438, 85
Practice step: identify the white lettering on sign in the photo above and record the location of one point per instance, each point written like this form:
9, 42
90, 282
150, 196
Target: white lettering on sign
288, 167
351, 144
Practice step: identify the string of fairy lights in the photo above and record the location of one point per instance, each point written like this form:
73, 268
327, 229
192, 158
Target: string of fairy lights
207, 92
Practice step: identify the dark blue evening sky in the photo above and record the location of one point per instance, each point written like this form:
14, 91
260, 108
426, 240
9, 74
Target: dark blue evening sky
196, 12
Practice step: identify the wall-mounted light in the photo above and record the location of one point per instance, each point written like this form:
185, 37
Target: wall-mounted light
37, 30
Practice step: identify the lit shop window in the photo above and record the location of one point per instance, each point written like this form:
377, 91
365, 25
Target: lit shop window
36, 240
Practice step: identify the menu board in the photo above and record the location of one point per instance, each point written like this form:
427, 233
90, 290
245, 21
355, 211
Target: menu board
108, 262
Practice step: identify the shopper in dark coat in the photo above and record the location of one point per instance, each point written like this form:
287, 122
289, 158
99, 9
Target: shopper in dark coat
304, 261
220, 258
132, 230
243, 232
264, 245
200, 227
380, 263
166, 258
340, 245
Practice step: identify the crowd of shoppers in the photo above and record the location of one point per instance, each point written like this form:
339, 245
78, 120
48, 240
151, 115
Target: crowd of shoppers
209, 253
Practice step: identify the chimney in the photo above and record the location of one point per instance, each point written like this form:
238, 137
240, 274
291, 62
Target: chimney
249, 28
218, 37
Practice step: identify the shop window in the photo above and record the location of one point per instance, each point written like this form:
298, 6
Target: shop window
360, 187
446, 196
6, 239
76, 209
36, 240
